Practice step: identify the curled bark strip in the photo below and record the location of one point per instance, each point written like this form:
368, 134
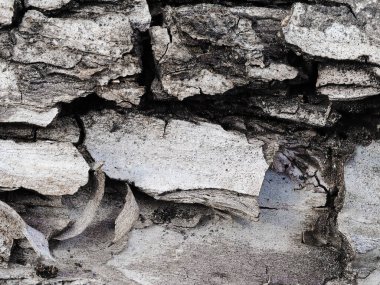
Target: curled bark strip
127, 217
16, 228
38, 241
98, 184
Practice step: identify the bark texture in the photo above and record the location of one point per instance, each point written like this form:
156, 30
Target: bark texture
189, 142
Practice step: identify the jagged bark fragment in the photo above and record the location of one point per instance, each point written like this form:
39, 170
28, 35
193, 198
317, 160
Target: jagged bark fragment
180, 156
296, 110
347, 82
210, 49
334, 32
38, 241
108, 36
127, 217
85, 256
53, 60
47, 214
239, 205
124, 95
12, 227
50, 168
14, 106
359, 219
25, 115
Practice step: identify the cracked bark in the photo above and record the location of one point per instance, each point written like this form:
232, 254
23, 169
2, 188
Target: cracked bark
239, 142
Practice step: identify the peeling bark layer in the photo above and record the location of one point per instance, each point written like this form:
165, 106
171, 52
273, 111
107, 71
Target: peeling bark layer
335, 32
183, 161
189, 142
46, 167
210, 49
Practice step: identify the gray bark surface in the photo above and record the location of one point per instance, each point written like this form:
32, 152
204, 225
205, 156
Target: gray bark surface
189, 142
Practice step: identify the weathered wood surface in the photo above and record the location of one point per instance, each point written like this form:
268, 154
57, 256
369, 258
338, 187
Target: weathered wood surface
239, 142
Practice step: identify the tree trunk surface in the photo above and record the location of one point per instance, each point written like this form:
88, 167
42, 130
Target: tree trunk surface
156, 142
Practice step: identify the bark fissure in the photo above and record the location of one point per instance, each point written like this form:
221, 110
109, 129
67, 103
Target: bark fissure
247, 132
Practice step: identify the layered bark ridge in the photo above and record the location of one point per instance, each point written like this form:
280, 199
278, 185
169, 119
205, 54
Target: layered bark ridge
54, 60
189, 142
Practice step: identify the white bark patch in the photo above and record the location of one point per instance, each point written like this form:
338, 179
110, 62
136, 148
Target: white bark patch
205, 82
331, 32
182, 156
274, 71
50, 168
27, 115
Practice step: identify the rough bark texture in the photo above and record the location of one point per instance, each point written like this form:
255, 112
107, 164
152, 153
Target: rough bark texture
189, 142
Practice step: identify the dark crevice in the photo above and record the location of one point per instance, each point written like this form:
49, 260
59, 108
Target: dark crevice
9, 196
83, 105
82, 131
18, 132
147, 59
19, 12
155, 9
73, 7
359, 129
319, 184
241, 102
268, 208
35, 130
358, 124
307, 88
331, 196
